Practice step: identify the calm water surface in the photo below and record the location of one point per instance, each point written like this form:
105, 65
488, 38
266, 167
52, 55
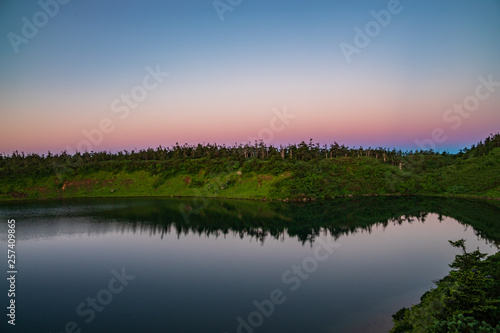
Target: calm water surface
152, 265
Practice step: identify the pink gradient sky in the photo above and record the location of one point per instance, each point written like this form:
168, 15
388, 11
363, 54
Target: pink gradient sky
226, 78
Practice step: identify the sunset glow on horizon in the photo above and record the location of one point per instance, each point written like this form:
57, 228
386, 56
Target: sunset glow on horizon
132, 75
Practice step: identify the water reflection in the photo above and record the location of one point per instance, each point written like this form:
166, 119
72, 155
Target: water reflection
201, 273
258, 220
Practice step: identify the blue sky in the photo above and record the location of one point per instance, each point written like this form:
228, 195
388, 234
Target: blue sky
227, 76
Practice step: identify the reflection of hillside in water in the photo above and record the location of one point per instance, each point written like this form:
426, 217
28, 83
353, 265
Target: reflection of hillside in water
255, 219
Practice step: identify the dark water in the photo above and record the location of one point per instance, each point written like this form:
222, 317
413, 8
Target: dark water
154, 265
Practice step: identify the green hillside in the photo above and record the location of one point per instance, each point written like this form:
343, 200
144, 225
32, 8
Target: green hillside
295, 172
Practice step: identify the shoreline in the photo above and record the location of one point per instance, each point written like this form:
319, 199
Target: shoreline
473, 197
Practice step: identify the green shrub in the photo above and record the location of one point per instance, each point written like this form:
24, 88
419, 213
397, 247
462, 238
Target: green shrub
466, 300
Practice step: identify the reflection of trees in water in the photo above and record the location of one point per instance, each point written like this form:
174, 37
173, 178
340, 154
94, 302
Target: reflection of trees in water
304, 221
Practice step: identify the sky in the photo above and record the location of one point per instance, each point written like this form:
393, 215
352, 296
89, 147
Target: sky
112, 75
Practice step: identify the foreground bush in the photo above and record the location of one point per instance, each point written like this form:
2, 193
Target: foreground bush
466, 300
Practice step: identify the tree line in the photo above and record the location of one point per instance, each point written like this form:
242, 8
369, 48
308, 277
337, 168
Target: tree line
19, 162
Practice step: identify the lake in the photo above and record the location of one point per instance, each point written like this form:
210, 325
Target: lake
198, 265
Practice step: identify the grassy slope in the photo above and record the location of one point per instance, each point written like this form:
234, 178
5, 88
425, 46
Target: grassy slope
141, 183
298, 180
479, 175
